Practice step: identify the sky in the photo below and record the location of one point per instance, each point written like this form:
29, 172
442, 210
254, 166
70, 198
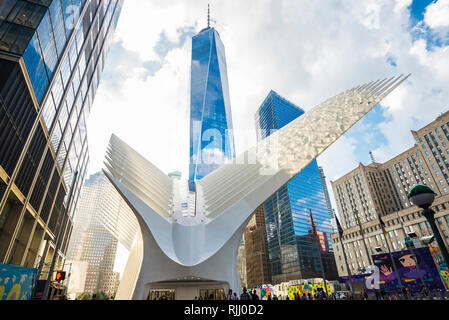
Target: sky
307, 51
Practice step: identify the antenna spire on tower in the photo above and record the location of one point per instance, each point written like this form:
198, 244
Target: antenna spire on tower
208, 15
372, 156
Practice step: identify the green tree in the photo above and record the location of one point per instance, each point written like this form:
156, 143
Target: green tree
85, 296
100, 295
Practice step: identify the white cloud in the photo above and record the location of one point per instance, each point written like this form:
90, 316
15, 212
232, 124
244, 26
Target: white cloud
307, 51
437, 14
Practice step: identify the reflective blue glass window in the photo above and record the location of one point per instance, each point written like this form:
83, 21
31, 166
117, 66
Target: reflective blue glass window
62, 155
78, 105
80, 37
78, 143
63, 116
65, 72
48, 46
58, 26
73, 120
84, 88
57, 89
67, 175
82, 64
70, 98
72, 157
72, 54
56, 137
49, 112
82, 126
76, 80
36, 68
71, 14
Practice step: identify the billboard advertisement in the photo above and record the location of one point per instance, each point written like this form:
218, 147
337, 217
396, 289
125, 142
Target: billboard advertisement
16, 283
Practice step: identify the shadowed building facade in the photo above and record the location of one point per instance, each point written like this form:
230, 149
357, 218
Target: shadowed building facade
52, 53
257, 263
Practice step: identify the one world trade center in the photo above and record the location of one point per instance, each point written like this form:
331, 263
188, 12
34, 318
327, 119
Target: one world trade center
211, 134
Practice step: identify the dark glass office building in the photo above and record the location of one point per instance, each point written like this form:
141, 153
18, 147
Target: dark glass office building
297, 216
52, 53
211, 136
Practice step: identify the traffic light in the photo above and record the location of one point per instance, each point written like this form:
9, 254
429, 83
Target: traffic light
60, 276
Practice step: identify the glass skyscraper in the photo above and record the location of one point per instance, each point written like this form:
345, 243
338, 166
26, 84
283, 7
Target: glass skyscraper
52, 53
211, 136
103, 220
297, 216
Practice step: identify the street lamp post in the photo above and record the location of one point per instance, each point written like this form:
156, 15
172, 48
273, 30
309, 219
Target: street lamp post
423, 197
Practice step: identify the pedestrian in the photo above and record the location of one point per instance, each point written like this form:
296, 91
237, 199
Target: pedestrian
254, 295
245, 295
365, 295
323, 295
235, 296
229, 296
404, 292
377, 295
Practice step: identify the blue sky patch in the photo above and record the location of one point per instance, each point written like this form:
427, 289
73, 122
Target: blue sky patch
392, 61
367, 135
420, 30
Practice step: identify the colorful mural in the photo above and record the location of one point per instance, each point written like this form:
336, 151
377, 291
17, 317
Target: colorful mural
16, 283
265, 293
423, 264
414, 267
306, 289
441, 266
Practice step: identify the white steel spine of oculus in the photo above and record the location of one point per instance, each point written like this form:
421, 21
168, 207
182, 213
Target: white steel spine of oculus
186, 253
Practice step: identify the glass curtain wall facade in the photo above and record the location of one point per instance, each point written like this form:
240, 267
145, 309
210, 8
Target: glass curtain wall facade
297, 217
211, 137
52, 53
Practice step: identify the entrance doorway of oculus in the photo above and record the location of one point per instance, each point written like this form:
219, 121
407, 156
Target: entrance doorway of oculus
163, 294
